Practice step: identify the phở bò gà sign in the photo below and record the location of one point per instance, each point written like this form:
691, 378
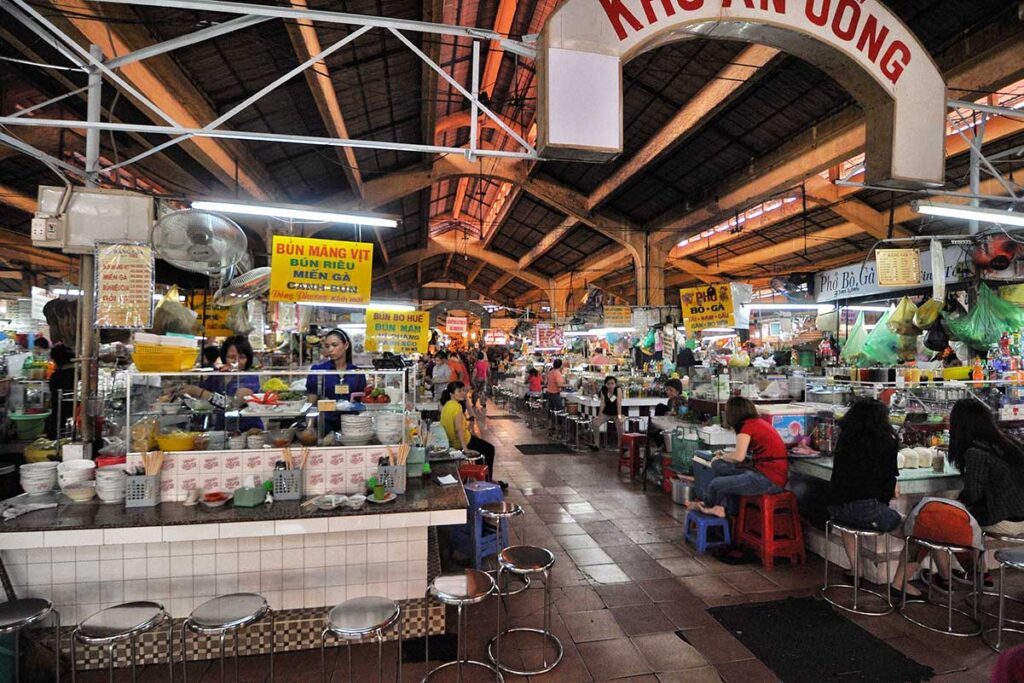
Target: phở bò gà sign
309, 270
706, 307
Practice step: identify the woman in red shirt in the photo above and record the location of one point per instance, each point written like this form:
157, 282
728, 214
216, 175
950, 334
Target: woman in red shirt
767, 471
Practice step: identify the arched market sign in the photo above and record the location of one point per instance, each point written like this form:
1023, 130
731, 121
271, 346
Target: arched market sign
860, 43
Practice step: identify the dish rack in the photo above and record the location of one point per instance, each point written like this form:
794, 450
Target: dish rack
392, 478
142, 491
288, 484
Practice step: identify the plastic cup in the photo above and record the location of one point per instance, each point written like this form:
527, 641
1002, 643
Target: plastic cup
379, 492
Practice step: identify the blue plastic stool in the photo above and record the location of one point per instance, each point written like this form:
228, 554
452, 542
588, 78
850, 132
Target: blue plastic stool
475, 539
697, 525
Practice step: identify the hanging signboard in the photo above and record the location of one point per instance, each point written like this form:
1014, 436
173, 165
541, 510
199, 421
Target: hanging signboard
618, 316
504, 323
124, 286
214, 319
898, 267
853, 281
455, 325
548, 337
495, 337
707, 306
309, 270
401, 332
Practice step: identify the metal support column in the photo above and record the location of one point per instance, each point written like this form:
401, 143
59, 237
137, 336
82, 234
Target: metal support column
87, 268
975, 168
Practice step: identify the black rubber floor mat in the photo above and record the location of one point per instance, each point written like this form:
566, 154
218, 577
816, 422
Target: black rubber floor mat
543, 448
804, 640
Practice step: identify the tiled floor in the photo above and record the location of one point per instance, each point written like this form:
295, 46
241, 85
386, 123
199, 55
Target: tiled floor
623, 584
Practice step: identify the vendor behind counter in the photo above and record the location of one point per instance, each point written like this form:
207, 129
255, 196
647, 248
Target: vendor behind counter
338, 347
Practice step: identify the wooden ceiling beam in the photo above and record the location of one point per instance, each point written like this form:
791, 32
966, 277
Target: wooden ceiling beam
19, 200
698, 110
547, 242
476, 273
499, 283
161, 80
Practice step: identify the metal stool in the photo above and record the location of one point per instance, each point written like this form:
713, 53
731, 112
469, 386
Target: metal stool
467, 587
501, 514
992, 538
580, 425
974, 626
1013, 558
523, 560
222, 615
123, 622
17, 615
857, 590
358, 618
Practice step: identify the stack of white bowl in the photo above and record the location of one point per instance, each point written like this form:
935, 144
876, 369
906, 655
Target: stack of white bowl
75, 472
356, 430
110, 483
390, 427
38, 478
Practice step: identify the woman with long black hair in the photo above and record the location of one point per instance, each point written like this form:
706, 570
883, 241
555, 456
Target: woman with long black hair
458, 430
864, 472
991, 465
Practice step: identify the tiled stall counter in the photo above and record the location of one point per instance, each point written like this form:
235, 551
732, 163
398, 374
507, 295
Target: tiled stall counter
85, 557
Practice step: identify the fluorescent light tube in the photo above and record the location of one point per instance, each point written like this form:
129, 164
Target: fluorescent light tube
297, 214
382, 306
968, 213
789, 307
869, 309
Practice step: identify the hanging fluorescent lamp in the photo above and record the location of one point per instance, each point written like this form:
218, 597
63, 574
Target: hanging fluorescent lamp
598, 331
968, 213
288, 212
788, 307
869, 309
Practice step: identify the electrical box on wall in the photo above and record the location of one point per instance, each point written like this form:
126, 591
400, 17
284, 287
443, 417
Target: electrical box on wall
75, 224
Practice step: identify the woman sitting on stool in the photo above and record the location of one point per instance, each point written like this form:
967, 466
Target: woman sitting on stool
864, 472
767, 471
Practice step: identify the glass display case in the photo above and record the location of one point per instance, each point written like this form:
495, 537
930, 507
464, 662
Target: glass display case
209, 410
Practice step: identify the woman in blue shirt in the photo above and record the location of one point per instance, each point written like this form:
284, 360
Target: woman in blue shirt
236, 355
338, 348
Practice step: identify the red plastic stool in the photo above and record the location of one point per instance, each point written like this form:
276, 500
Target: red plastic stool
629, 452
477, 472
770, 526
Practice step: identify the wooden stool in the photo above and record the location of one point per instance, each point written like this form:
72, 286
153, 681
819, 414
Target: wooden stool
769, 525
629, 452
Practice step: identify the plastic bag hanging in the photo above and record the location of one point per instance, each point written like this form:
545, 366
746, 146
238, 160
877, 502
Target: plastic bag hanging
985, 323
928, 312
853, 349
881, 344
902, 319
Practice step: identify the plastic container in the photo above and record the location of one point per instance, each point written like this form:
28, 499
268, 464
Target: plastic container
288, 484
29, 427
176, 442
414, 464
150, 358
142, 491
682, 491
393, 478
249, 497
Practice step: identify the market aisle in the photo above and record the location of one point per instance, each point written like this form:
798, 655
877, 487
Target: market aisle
625, 584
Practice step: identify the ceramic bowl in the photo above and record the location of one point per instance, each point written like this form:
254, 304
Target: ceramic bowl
81, 493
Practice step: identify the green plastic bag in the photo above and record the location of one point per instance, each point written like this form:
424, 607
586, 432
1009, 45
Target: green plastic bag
985, 323
882, 344
853, 349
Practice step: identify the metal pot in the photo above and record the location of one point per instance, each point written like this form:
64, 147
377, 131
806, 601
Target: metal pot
831, 395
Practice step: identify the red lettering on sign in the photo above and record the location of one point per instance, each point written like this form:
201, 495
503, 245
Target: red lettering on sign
617, 13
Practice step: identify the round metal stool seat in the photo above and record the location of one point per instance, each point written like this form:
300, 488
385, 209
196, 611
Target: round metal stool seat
970, 626
855, 608
16, 615
229, 611
526, 559
361, 617
1014, 559
521, 560
502, 513
222, 615
468, 587
123, 622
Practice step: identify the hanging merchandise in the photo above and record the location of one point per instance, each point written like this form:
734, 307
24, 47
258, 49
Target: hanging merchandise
238, 320
935, 337
827, 322
984, 325
172, 316
902, 319
853, 350
881, 345
929, 311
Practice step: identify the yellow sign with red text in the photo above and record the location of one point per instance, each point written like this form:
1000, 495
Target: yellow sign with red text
707, 306
401, 332
309, 270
